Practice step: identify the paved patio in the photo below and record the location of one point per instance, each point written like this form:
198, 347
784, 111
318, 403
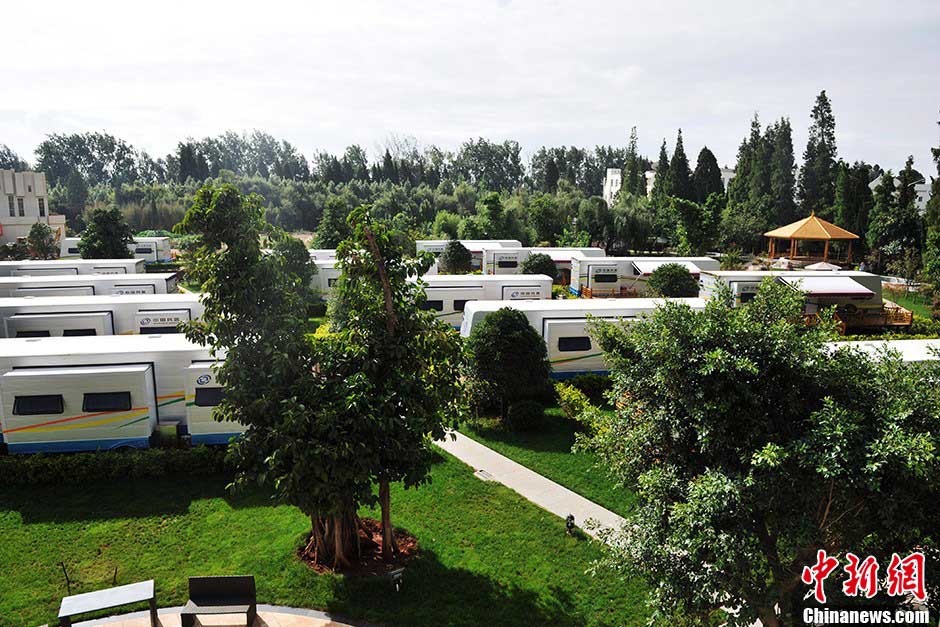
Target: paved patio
268, 616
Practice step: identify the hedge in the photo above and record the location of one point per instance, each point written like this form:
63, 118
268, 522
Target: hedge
70, 468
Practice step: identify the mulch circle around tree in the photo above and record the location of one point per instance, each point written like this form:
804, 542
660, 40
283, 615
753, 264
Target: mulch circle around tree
370, 563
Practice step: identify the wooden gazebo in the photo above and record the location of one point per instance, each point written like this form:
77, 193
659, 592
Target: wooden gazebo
811, 229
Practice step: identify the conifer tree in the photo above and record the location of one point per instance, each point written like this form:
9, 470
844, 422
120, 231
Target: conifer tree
706, 179
631, 166
679, 181
817, 177
550, 184
882, 212
660, 181
783, 172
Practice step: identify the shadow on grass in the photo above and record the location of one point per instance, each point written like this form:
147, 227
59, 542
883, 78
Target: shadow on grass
130, 499
434, 594
556, 435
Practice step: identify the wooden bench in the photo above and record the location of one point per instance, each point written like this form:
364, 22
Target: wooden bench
220, 595
106, 599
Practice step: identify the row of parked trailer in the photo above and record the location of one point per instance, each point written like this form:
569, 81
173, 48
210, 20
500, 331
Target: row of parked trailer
149, 249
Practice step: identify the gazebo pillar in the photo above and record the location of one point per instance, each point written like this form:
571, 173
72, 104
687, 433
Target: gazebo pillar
792, 248
826, 251
849, 254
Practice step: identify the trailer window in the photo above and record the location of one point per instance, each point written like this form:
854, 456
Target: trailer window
432, 305
143, 251
460, 305
507, 263
32, 334
605, 278
747, 297
209, 397
73, 251
37, 405
78, 332
158, 330
106, 401
570, 344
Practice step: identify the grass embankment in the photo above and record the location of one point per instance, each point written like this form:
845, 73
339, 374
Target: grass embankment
547, 451
910, 300
487, 556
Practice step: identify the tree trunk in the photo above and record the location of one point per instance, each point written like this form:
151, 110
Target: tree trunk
389, 548
334, 540
768, 617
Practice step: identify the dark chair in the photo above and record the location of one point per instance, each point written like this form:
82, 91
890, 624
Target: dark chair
220, 595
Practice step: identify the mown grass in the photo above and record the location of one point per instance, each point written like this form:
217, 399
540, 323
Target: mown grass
912, 301
487, 556
547, 451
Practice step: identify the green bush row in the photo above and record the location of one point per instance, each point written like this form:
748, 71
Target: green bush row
70, 468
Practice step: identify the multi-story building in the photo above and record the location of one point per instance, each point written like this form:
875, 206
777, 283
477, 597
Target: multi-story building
25, 202
921, 191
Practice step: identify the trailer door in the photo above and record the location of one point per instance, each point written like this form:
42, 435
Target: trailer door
153, 321
571, 351
525, 292
67, 324
78, 408
203, 394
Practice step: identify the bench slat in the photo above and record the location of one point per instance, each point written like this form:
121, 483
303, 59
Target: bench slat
106, 599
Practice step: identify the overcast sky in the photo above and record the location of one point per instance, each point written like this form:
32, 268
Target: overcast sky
539, 72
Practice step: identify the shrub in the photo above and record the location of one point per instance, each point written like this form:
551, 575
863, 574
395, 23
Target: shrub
455, 259
576, 406
77, 468
507, 353
561, 292
525, 416
540, 263
593, 386
672, 280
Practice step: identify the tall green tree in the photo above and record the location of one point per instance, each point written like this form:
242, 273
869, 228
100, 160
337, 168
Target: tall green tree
455, 258
882, 213
751, 445
783, 173
679, 179
660, 182
853, 200
706, 179
818, 175
10, 160
76, 195
633, 177
106, 235
551, 176
332, 228
41, 242
696, 228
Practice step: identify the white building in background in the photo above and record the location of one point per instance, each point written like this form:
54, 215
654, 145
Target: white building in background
25, 202
921, 192
612, 182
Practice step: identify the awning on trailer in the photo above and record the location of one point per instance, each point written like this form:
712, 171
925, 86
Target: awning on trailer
647, 267
829, 286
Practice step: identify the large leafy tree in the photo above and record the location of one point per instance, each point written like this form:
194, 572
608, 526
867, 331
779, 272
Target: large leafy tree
696, 226
455, 258
672, 280
106, 235
41, 242
332, 228
540, 263
818, 175
327, 416
751, 445
10, 160
706, 179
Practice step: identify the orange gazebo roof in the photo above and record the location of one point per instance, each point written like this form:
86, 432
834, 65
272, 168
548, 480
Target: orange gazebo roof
811, 228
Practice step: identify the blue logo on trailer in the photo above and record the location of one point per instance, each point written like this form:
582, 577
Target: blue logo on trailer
203, 379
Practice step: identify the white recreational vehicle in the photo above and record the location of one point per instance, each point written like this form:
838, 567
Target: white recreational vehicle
859, 290
475, 246
321, 254
448, 295
78, 394
326, 277
150, 249
562, 324
911, 351
88, 284
509, 260
69, 316
59, 267
625, 276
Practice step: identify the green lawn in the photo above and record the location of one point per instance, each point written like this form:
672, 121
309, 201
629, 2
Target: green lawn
487, 557
547, 451
912, 301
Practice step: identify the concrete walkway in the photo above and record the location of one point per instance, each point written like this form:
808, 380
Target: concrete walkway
268, 616
545, 493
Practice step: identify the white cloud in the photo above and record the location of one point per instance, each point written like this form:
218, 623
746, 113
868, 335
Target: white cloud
331, 74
